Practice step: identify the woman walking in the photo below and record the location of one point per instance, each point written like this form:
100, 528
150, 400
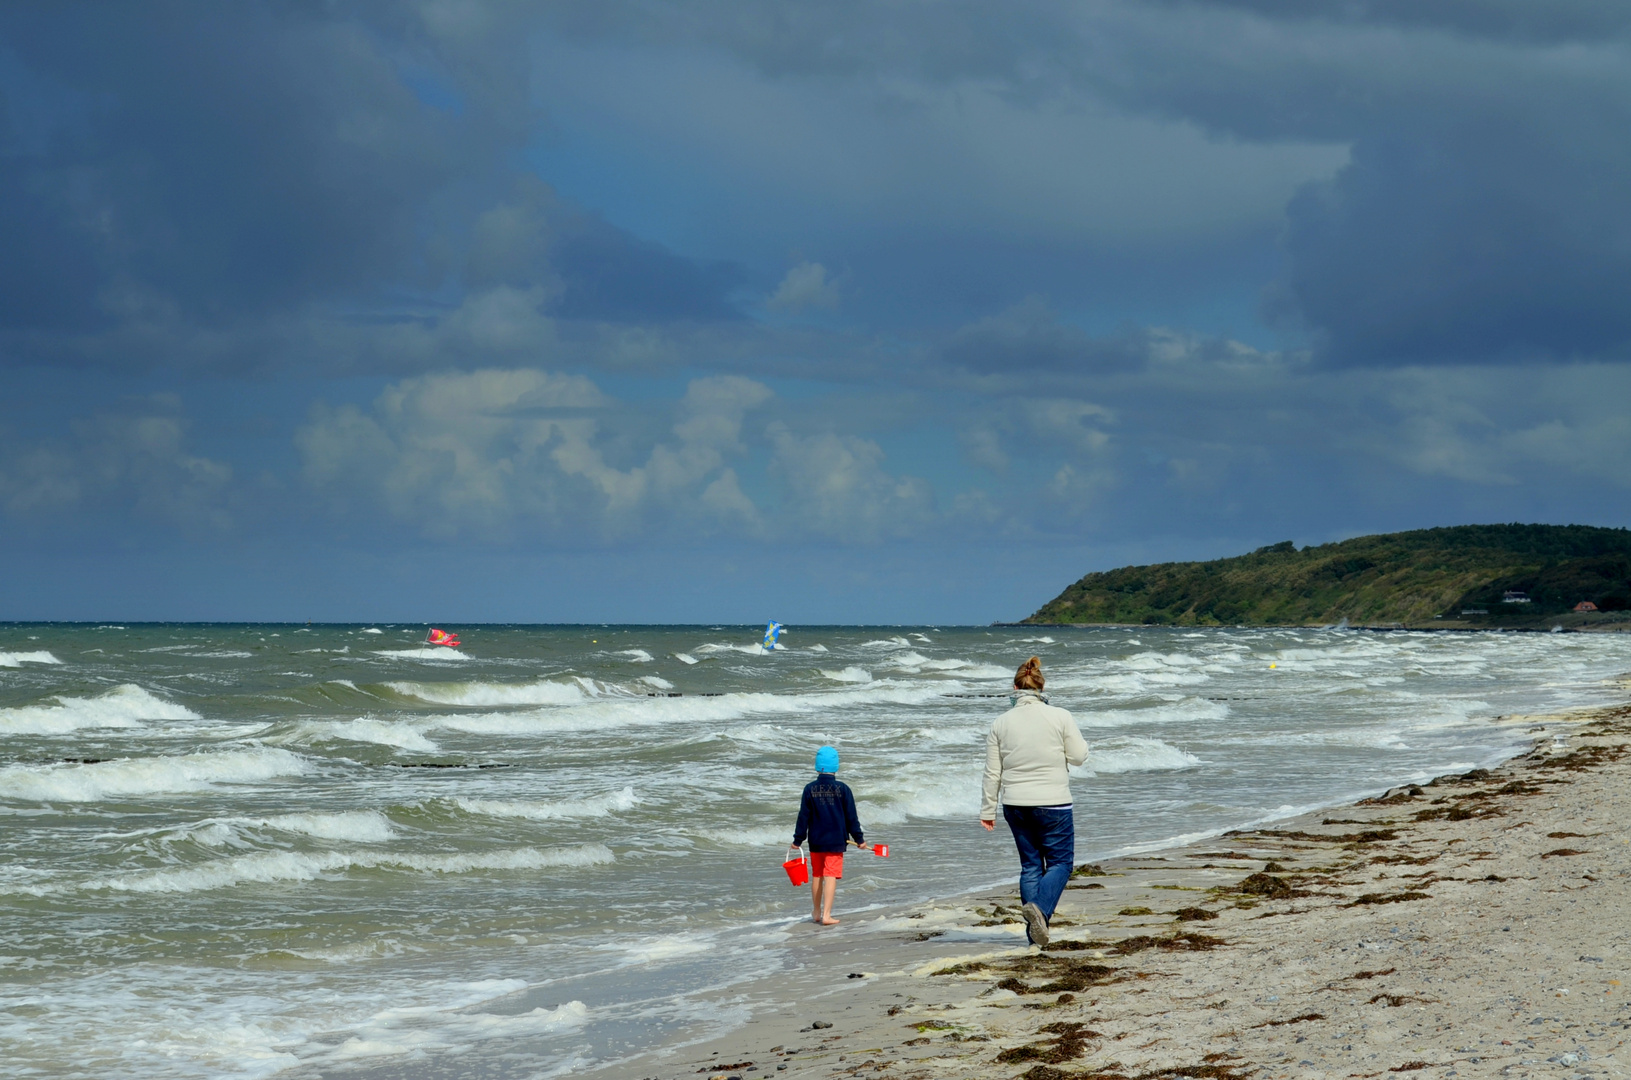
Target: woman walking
1026, 755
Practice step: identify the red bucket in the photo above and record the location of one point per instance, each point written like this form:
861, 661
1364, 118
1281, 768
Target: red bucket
798, 870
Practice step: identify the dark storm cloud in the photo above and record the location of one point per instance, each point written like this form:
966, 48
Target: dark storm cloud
1481, 217
189, 183
1511, 20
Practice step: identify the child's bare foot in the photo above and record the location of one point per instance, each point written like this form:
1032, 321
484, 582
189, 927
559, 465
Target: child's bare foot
829, 921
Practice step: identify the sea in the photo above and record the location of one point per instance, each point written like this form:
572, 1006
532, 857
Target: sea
252, 850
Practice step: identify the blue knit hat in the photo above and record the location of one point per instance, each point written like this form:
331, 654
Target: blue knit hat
826, 760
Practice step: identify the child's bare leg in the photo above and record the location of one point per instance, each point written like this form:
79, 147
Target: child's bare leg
829, 889
815, 898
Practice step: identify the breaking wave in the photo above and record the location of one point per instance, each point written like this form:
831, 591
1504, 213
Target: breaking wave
365, 729
267, 867
489, 694
18, 659
551, 811
135, 777
1129, 753
125, 706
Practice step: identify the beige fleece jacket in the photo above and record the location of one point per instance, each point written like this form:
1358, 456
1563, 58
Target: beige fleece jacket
1026, 754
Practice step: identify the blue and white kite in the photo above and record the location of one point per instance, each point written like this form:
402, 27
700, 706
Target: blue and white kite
773, 631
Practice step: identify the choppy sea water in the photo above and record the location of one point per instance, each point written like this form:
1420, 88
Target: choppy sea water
236, 851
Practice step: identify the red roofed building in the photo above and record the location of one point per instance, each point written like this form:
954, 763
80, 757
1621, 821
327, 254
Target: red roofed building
1585, 605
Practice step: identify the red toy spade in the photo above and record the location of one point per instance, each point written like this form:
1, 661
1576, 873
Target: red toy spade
880, 850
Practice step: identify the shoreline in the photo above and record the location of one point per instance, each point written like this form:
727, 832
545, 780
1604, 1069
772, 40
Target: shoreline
949, 988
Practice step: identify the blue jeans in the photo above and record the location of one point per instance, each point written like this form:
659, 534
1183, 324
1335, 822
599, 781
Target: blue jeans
1046, 840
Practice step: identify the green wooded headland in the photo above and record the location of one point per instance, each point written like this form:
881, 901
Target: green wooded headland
1463, 576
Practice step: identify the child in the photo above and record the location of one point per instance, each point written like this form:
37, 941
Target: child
827, 817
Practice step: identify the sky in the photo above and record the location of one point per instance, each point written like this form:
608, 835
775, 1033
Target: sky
898, 311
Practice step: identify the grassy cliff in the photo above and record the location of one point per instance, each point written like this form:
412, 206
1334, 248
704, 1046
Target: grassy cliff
1428, 577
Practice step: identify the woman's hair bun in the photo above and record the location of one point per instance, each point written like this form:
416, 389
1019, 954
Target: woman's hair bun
1029, 675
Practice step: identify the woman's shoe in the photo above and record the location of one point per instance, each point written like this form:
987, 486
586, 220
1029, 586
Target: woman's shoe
1036, 925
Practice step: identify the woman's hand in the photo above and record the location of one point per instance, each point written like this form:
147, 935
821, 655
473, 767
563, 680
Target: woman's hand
989, 825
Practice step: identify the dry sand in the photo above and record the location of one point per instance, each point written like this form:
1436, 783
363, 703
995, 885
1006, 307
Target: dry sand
1474, 927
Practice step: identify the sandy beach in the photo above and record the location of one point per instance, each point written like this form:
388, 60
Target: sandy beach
1467, 927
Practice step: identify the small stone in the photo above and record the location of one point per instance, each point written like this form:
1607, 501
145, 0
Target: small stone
819, 1024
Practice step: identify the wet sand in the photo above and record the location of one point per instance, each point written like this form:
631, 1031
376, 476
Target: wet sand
1476, 926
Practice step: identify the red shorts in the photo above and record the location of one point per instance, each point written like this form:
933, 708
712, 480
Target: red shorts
827, 864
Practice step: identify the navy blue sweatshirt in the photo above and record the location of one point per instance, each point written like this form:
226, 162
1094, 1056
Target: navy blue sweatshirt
826, 814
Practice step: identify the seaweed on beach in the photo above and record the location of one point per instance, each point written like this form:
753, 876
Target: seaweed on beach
1402, 860
1064, 976
1303, 1019
961, 969
1389, 898
1459, 812
1108, 1072
1068, 1044
1067, 945
1090, 870
1267, 886
1367, 836
1563, 851
1187, 942
1587, 757
1193, 914
1395, 1001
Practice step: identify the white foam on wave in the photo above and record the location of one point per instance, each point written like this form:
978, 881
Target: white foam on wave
914, 663
685, 658
134, 777
594, 806
761, 836
924, 792
426, 652
818, 648
612, 711
490, 694
887, 643
364, 729
849, 675
125, 706
639, 656
1184, 710
658, 681
355, 826
418, 1030
269, 867
949, 736
716, 647
1130, 753
18, 659
373, 630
